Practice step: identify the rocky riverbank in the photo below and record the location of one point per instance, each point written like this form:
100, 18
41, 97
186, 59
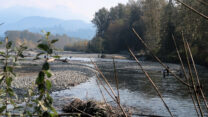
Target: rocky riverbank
65, 75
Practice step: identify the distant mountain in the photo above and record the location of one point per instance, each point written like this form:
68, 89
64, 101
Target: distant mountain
72, 28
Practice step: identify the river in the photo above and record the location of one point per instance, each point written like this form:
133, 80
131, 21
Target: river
135, 89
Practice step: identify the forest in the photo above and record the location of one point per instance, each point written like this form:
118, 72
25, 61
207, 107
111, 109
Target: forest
156, 21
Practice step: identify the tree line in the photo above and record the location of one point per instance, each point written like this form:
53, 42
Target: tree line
156, 21
31, 39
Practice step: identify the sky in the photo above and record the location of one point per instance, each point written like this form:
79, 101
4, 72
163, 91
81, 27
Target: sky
63, 9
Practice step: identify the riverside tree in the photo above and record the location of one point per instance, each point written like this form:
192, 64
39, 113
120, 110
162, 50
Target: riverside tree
155, 21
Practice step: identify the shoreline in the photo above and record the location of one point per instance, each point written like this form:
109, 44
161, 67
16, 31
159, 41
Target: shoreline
74, 72
64, 75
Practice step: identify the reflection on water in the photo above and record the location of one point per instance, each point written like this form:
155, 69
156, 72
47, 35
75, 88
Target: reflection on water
136, 91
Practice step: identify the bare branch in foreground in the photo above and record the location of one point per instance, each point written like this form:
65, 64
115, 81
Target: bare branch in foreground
165, 66
153, 84
186, 76
194, 10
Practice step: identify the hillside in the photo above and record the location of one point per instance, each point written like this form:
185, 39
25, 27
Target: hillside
30, 39
72, 28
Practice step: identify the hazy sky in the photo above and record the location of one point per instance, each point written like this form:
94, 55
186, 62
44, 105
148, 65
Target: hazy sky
63, 9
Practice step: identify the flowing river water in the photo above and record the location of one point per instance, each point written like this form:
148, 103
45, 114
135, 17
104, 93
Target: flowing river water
135, 89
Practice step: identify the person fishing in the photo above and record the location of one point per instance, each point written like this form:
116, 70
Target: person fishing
166, 72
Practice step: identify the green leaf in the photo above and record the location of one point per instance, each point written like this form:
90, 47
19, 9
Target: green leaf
2, 53
13, 102
40, 78
48, 84
9, 69
10, 92
54, 40
2, 109
49, 98
55, 114
48, 34
2, 93
8, 45
57, 57
8, 81
43, 47
45, 66
48, 73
